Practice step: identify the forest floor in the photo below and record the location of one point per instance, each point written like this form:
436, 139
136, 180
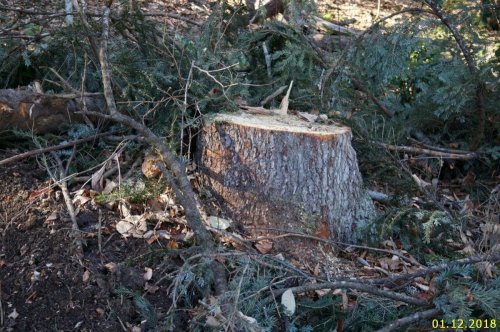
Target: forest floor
44, 287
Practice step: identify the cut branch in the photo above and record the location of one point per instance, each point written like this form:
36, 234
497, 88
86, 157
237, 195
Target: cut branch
415, 318
440, 154
179, 181
354, 285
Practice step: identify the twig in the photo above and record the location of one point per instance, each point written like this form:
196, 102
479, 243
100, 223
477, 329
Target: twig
1, 306
52, 148
267, 57
357, 85
438, 268
63, 185
273, 95
185, 105
99, 236
416, 317
66, 86
92, 42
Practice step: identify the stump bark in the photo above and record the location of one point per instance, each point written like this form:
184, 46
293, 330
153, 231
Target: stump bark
279, 172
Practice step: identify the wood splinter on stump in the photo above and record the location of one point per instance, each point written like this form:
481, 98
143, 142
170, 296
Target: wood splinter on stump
278, 172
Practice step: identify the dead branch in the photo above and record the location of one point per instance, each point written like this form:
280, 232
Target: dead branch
440, 154
438, 148
61, 181
175, 16
52, 148
334, 28
360, 286
395, 280
178, 180
414, 318
378, 196
370, 286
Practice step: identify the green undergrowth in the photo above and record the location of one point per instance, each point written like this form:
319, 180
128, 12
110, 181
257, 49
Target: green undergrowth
141, 191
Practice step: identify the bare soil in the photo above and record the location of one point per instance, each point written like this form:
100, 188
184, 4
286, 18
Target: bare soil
43, 287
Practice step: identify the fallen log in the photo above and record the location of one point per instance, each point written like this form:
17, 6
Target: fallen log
43, 113
280, 172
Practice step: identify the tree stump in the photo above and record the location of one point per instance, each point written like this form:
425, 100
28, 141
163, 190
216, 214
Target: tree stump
279, 172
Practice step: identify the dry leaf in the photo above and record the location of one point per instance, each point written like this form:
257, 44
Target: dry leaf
13, 314
322, 231
280, 257
422, 287
219, 223
308, 117
172, 244
131, 225
362, 261
345, 301
317, 270
246, 318
24, 249
150, 288
86, 276
110, 185
52, 217
148, 273
322, 292
81, 197
212, 322
264, 246
389, 244
288, 302
97, 180
149, 168
111, 267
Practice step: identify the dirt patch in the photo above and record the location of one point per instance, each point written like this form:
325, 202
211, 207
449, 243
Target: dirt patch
43, 286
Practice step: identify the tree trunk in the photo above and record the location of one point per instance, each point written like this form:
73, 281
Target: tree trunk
273, 172
42, 113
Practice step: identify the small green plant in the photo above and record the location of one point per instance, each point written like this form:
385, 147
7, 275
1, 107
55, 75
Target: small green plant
145, 309
419, 231
138, 193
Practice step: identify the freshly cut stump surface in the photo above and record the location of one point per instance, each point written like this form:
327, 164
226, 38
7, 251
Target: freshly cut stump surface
280, 172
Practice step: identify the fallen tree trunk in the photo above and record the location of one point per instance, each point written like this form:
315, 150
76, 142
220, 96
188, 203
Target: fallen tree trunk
43, 113
280, 172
